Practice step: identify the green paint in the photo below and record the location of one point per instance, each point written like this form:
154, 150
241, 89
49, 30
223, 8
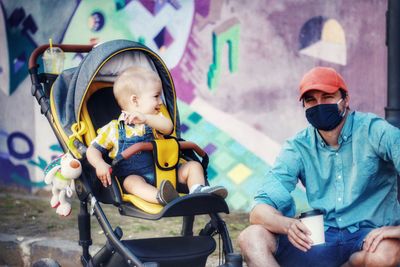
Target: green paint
119, 4
56, 148
141, 40
195, 117
21, 180
239, 201
41, 163
223, 160
230, 37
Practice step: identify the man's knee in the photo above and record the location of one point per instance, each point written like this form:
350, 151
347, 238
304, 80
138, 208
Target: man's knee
386, 254
256, 236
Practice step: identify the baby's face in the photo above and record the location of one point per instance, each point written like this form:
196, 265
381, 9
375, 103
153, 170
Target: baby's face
149, 101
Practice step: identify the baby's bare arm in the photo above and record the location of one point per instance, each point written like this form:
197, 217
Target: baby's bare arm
95, 158
156, 121
160, 123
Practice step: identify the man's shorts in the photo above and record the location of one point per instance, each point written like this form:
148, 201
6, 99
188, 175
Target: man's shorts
339, 245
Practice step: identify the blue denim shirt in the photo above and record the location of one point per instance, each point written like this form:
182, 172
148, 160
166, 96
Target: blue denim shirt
355, 185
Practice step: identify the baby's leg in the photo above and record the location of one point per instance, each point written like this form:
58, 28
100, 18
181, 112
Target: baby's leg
191, 173
136, 185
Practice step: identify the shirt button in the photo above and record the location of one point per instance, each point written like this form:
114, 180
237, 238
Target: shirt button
339, 177
339, 199
340, 219
337, 154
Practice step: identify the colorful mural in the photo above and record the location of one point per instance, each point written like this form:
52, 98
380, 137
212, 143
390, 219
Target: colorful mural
18, 154
324, 39
235, 64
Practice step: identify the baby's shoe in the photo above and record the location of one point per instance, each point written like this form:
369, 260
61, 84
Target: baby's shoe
167, 193
215, 190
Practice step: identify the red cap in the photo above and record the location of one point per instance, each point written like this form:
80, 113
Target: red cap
322, 79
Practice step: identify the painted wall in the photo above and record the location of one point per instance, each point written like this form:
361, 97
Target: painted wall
236, 66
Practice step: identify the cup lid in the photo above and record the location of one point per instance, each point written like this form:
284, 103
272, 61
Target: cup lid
53, 52
311, 213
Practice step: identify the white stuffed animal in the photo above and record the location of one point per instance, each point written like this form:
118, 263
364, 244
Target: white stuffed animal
61, 173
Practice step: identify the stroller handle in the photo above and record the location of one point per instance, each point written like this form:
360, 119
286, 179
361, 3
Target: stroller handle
148, 146
65, 47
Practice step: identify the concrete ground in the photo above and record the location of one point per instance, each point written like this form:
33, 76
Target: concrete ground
30, 230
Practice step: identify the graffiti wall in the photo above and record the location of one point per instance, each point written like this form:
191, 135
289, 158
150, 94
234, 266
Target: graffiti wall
235, 64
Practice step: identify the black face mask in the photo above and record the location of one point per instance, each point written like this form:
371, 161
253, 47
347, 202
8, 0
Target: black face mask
325, 117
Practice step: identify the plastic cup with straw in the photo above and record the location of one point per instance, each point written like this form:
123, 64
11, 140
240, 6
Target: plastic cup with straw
53, 59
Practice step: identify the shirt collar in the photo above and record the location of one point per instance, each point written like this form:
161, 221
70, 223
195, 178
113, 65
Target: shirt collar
121, 117
345, 133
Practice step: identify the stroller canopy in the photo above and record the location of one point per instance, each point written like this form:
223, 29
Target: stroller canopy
104, 63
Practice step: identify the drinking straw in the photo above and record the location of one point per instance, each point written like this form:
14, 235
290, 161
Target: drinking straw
53, 64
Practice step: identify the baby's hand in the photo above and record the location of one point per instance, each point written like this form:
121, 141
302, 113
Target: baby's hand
103, 173
134, 117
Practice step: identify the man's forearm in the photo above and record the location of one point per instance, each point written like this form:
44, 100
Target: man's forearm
270, 218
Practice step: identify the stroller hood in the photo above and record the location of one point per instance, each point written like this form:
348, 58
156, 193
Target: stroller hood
71, 86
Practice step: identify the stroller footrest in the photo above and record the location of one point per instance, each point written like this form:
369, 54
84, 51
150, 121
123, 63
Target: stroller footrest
173, 251
191, 204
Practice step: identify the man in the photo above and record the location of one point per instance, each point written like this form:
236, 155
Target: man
348, 161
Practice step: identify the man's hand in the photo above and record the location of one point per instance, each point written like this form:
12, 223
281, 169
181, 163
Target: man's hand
134, 117
299, 235
103, 173
377, 235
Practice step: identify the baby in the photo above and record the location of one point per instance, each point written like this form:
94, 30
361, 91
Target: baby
138, 93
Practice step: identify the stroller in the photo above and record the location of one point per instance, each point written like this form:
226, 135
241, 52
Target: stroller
79, 101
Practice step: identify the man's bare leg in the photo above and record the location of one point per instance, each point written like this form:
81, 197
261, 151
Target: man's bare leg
258, 246
387, 254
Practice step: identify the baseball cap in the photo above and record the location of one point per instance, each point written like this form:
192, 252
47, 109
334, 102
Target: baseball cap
323, 79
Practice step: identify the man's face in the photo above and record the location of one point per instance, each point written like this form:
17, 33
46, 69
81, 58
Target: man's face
315, 97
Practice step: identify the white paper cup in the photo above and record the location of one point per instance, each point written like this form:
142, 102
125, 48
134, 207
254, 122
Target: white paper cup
314, 220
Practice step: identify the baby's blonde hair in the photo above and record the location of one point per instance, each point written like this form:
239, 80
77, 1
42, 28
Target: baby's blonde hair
133, 81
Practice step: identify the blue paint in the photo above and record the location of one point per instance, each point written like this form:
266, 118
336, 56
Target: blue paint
19, 42
26, 183
13, 152
8, 169
310, 33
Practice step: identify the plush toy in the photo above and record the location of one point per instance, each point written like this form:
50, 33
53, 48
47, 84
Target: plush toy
61, 173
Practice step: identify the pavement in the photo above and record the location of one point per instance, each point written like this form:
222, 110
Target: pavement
29, 251
31, 233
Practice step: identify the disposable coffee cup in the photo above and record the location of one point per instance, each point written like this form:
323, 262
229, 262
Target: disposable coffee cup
53, 60
314, 220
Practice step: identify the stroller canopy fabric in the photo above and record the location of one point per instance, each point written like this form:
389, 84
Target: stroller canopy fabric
104, 63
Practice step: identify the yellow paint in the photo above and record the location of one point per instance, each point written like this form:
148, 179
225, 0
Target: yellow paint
333, 32
239, 173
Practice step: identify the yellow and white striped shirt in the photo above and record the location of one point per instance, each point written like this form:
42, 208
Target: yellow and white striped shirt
107, 136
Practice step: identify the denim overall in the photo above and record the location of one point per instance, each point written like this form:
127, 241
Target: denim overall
141, 163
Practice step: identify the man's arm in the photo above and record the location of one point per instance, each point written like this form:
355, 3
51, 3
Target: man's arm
272, 220
385, 138
377, 235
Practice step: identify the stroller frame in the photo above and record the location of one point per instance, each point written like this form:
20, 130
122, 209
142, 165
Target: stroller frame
123, 252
